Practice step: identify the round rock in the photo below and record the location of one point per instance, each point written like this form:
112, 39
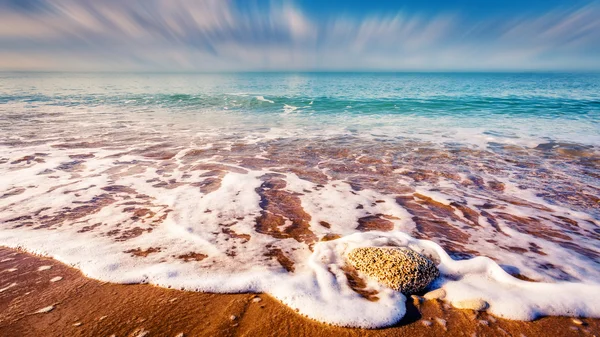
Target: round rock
474, 304
435, 294
401, 269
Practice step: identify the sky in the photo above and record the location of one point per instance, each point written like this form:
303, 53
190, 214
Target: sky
301, 35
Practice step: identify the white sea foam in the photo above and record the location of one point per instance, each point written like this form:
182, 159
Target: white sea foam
289, 108
262, 99
318, 288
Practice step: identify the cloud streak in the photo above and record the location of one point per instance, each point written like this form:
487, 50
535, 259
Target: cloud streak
219, 35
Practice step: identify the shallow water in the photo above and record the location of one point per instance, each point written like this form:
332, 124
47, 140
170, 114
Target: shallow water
239, 177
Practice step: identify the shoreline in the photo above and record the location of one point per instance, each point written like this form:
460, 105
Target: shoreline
58, 300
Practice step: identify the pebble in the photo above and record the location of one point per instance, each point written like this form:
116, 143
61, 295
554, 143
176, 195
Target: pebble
426, 323
577, 321
102, 318
77, 324
45, 310
56, 279
179, 334
142, 333
475, 304
233, 317
42, 268
435, 294
484, 322
256, 299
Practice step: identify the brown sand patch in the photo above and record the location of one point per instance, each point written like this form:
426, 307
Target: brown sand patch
534, 248
54, 188
139, 213
496, 186
493, 222
213, 173
313, 175
78, 190
79, 145
438, 208
243, 237
90, 207
119, 189
82, 156
532, 226
325, 224
253, 163
210, 184
160, 155
218, 167
358, 284
89, 228
330, 237
192, 256
26, 159
19, 218
280, 256
374, 223
469, 213
431, 222
13, 192
524, 203
279, 205
421, 175
569, 196
169, 184
142, 253
131, 233
474, 180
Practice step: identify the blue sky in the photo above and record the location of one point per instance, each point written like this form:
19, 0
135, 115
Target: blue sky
308, 35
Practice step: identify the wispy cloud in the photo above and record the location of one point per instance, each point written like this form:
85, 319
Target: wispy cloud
216, 35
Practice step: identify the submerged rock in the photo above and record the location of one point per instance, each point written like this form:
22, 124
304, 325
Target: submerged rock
401, 269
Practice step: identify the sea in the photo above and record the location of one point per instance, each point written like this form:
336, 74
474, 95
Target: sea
264, 182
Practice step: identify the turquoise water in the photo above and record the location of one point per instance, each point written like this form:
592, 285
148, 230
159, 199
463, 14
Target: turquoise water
547, 95
527, 107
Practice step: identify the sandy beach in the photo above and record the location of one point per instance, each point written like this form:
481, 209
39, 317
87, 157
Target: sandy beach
41, 297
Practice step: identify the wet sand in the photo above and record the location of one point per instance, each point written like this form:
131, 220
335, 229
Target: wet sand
41, 297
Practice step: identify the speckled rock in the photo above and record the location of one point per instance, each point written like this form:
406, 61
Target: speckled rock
401, 269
